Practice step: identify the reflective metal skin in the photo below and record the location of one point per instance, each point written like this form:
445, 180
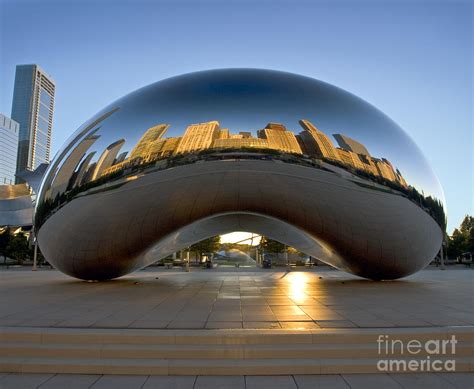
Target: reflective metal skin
212, 152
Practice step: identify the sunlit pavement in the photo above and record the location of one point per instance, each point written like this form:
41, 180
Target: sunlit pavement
236, 298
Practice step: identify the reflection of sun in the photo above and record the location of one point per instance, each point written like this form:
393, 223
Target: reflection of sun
297, 286
241, 237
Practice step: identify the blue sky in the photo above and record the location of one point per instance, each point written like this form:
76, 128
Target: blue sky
411, 59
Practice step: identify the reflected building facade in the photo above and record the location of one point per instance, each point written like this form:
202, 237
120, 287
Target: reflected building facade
315, 142
278, 138
67, 173
208, 136
149, 143
350, 144
107, 159
184, 180
198, 137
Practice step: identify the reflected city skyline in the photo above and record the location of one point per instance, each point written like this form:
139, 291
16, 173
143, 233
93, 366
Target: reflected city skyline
153, 146
277, 97
201, 140
311, 142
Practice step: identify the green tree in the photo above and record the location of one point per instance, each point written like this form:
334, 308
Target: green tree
5, 238
470, 241
462, 239
18, 248
466, 225
208, 245
467, 231
456, 244
272, 246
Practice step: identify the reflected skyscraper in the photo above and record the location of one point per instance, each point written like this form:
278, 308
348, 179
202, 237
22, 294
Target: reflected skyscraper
149, 138
83, 168
163, 148
9, 131
121, 157
349, 158
279, 138
107, 158
32, 108
350, 144
385, 169
316, 143
198, 136
65, 172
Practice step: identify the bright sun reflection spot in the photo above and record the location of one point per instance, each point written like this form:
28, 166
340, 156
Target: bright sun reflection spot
297, 286
241, 237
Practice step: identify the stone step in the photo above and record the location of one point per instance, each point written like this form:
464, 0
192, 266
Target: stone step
206, 366
214, 351
232, 336
221, 352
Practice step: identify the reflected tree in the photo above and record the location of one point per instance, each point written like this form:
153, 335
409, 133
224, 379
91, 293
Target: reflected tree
272, 246
209, 245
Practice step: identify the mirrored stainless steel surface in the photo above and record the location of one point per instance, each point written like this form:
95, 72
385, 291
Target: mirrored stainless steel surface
262, 151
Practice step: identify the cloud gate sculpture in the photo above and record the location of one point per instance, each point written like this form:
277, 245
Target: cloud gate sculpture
213, 152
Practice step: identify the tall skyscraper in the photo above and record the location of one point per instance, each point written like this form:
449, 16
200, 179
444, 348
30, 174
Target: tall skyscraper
9, 131
32, 108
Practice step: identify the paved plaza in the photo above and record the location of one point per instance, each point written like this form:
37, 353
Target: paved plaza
236, 298
345, 381
308, 303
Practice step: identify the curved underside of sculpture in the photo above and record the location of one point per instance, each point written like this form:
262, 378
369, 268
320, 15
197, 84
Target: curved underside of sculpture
367, 231
120, 195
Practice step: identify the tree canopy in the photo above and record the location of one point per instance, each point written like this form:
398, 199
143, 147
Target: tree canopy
272, 246
208, 245
462, 239
14, 246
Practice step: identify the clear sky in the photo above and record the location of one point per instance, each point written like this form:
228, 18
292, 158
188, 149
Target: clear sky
411, 59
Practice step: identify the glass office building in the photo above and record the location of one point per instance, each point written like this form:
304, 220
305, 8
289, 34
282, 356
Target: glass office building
9, 130
32, 108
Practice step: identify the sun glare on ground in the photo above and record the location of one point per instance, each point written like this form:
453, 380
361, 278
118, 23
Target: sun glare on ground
298, 284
